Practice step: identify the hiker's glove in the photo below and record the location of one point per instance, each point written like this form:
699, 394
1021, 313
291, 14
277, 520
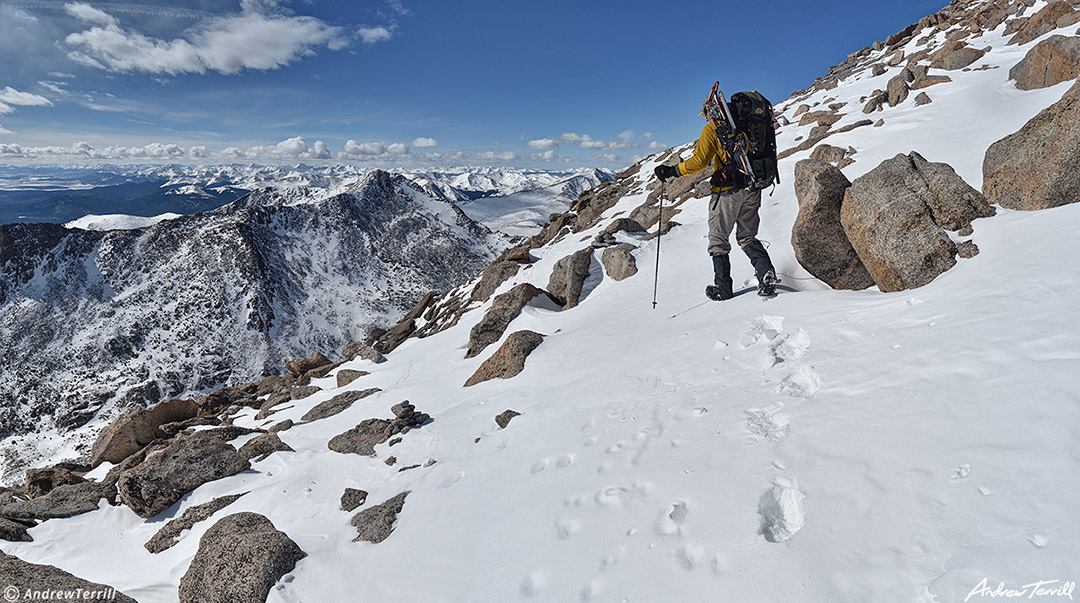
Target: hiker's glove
663, 172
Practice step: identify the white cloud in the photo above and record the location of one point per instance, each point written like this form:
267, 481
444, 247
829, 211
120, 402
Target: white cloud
198, 152
574, 137
89, 14
319, 150
374, 35
500, 156
424, 143
398, 149
610, 157
542, 144
354, 148
257, 38
3, 131
10, 96
548, 155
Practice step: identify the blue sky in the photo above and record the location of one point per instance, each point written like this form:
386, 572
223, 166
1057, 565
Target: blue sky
400, 82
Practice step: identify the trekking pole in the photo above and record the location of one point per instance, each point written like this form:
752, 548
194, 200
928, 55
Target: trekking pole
659, 235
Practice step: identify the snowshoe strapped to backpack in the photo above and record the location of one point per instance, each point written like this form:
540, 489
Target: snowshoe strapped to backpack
754, 132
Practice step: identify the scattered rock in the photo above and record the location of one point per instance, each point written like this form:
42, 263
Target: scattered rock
879, 123
274, 384
619, 262
504, 309
347, 376
509, 359
800, 110
391, 461
40, 482
929, 80
922, 99
137, 427
363, 438
260, 447
967, 249
352, 498
272, 404
169, 534
876, 103
568, 277
878, 69
299, 392
624, 225
303, 365
1038, 167
239, 560
503, 418
1050, 62
171, 429
359, 348
375, 524
829, 153
337, 404
218, 400
167, 474
22, 577
818, 238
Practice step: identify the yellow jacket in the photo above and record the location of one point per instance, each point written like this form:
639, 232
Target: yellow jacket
708, 148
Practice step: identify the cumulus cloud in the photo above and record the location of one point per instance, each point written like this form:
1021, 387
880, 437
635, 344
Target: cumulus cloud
319, 150
542, 144
574, 137
424, 143
397, 149
497, 156
357, 149
261, 37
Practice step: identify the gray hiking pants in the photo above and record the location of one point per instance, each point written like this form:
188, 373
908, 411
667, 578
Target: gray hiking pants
738, 211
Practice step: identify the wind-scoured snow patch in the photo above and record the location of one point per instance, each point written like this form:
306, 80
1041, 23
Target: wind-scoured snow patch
117, 221
781, 510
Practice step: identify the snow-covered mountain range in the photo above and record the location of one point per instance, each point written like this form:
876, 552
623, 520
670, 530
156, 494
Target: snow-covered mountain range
823, 446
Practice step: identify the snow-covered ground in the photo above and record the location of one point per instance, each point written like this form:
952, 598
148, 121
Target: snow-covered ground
821, 446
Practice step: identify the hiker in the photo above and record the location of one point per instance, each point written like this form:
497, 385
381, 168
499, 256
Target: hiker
735, 199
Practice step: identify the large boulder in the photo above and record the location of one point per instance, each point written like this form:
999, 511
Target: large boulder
239, 560
1050, 62
898, 90
888, 217
956, 55
260, 447
820, 243
19, 576
375, 524
568, 277
509, 359
171, 472
298, 367
137, 427
504, 309
41, 481
492, 277
1038, 167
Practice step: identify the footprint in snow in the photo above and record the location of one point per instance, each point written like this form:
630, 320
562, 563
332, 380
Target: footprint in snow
788, 348
532, 584
565, 461
803, 383
781, 510
766, 423
765, 326
670, 522
539, 466
565, 528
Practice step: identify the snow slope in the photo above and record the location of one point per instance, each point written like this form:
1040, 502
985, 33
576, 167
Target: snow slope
821, 446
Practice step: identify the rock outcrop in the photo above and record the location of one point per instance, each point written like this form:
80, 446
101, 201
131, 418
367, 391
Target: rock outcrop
1038, 167
352, 499
820, 243
503, 418
62, 501
1050, 62
260, 447
22, 576
509, 359
240, 558
169, 473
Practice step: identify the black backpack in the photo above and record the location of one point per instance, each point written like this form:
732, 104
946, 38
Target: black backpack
753, 117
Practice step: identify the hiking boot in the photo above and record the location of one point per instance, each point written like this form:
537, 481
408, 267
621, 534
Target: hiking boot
717, 293
767, 284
